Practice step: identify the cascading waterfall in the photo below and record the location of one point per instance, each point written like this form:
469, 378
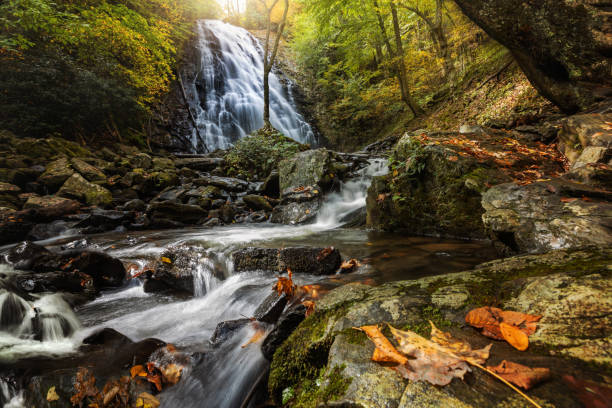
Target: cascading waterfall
227, 92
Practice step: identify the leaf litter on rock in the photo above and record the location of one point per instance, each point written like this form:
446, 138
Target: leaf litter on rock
436, 361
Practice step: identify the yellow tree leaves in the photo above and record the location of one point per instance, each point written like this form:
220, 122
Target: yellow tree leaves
514, 327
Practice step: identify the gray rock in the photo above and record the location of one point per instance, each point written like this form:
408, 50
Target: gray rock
315, 261
200, 163
312, 167
91, 173
581, 131
548, 215
183, 213
56, 174
296, 212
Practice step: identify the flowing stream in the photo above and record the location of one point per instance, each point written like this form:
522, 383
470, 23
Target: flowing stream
226, 93
222, 376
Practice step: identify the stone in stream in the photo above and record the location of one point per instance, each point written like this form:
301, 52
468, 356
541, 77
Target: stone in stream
200, 163
283, 329
271, 308
315, 261
225, 330
56, 173
256, 202
569, 289
104, 270
176, 271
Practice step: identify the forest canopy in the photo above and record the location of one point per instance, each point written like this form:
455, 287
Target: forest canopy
85, 66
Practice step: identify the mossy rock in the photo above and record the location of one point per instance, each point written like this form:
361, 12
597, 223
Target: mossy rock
49, 148
56, 173
431, 190
566, 287
78, 188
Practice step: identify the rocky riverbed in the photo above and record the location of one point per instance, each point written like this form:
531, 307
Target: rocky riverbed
154, 258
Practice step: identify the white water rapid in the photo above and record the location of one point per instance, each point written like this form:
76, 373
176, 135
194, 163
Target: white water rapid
227, 92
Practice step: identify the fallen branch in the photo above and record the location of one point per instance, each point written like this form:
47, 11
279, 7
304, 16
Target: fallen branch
502, 69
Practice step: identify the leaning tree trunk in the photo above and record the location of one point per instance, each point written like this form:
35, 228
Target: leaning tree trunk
564, 47
401, 65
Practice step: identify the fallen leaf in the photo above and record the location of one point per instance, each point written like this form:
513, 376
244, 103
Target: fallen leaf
110, 394
592, 394
489, 319
438, 360
154, 376
568, 199
453, 158
52, 395
514, 336
350, 265
255, 338
166, 260
146, 400
310, 307
386, 351
285, 285
138, 370
518, 374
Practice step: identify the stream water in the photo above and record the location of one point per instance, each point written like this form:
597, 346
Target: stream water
224, 375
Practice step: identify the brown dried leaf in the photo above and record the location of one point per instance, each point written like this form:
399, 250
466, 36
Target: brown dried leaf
350, 265
138, 370
489, 319
385, 351
438, 360
520, 375
514, 336
310, 307
325, 253
285, 285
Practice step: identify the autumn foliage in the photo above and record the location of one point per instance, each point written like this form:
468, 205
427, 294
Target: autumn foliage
514, 327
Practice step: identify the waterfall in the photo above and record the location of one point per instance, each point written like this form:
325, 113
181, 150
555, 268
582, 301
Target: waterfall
226, 92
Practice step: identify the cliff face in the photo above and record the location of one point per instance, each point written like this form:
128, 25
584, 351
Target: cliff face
563, 46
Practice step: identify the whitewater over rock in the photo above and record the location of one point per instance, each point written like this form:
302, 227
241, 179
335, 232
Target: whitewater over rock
225, 89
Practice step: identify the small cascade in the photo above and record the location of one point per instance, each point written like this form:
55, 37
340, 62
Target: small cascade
10, 397
349, 201
34, 327
226, 94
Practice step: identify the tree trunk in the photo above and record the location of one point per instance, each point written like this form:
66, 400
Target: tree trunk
270, 58
563, 47
401, 66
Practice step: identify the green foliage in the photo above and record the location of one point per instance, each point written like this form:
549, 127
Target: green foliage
353, 73
255, 156
117, 54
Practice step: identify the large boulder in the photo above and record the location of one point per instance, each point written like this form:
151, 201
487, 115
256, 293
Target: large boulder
315, 261
257, 202
586, 138
56, 174
436, 180
309, 168
78, 188
58, 206
328, 363
548, 215
562, 46
224, 183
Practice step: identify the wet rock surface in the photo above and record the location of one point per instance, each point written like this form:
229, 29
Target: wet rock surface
315, 261
327, 350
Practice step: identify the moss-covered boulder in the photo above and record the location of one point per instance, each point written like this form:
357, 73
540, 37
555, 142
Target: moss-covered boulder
48, 148
254, 157
326, 363
78, 188
91, 173
56, 174
430, 189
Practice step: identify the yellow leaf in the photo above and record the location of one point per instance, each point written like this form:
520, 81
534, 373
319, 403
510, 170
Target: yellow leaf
52, 395
166, 260
256, 337
146, 400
